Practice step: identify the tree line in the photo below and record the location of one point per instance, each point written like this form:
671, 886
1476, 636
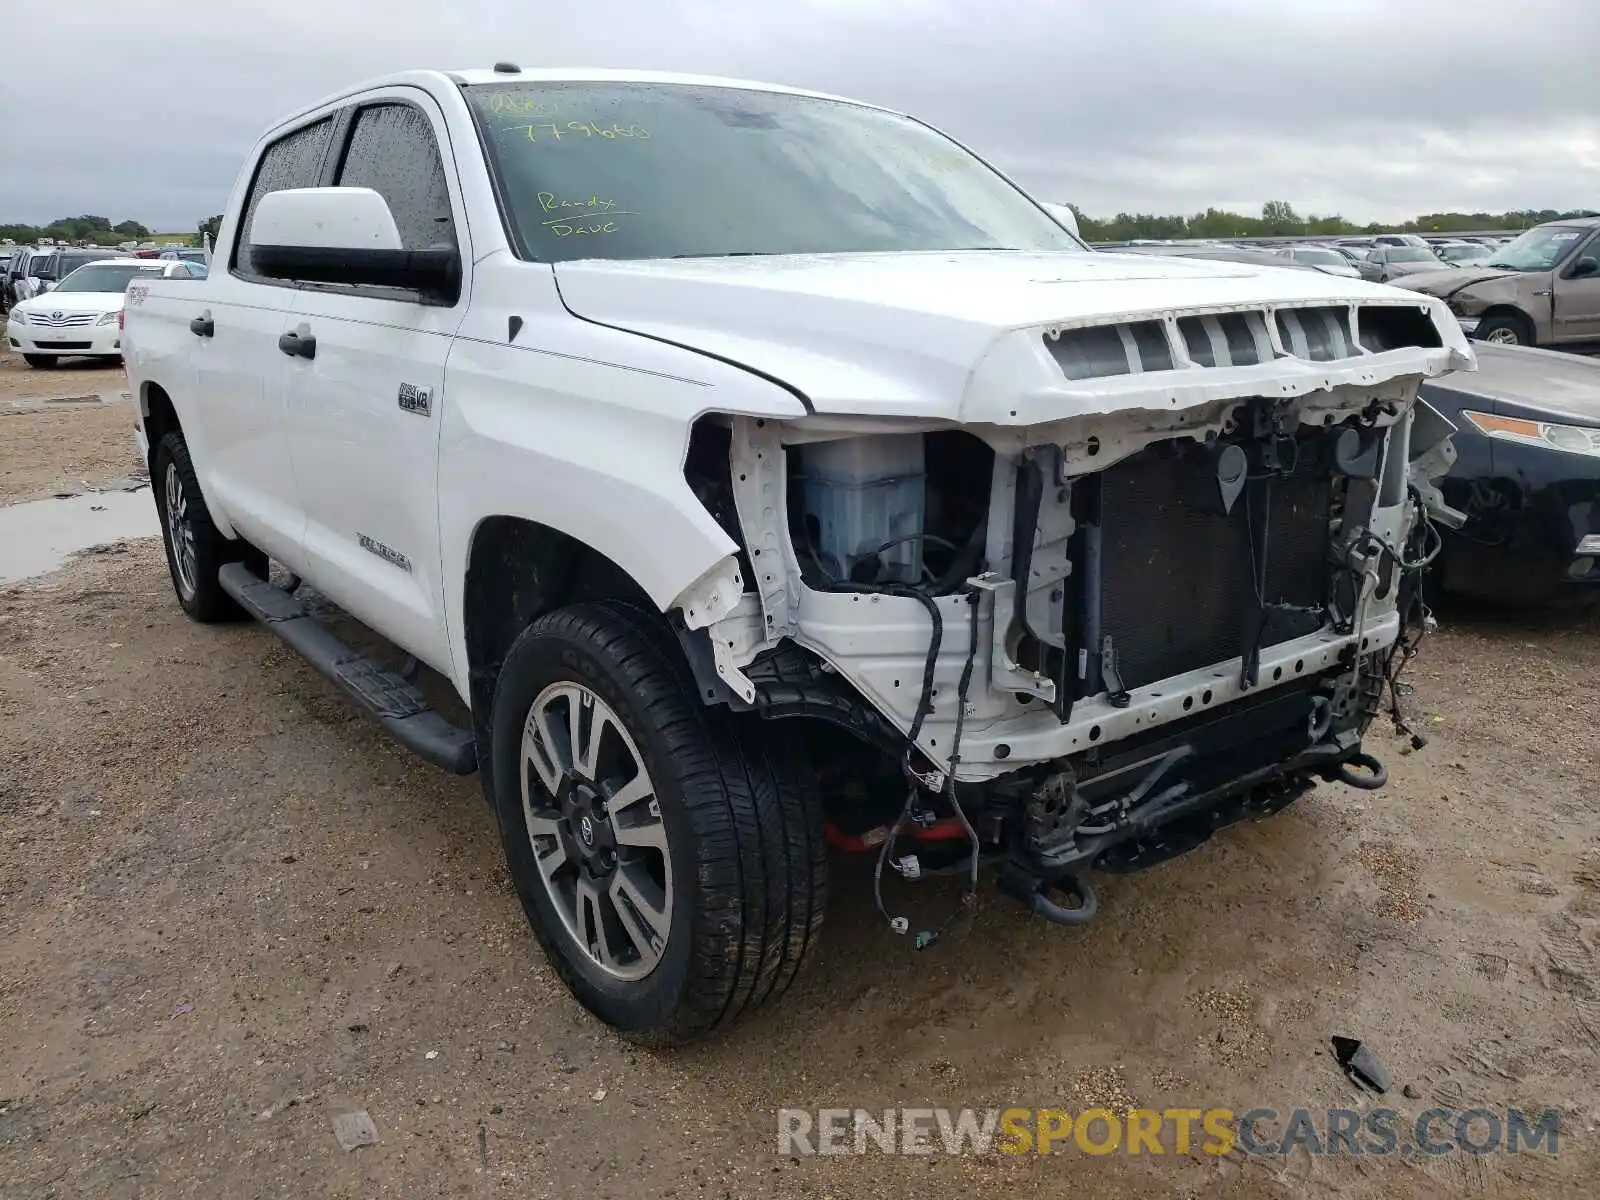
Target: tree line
1279, 219
93, 230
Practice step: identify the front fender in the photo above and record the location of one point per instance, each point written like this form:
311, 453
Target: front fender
591, 449
1510, 292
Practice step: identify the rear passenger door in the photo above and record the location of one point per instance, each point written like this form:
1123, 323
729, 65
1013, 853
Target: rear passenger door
364, 411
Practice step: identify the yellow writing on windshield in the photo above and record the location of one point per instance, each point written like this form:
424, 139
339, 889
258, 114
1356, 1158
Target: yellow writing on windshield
551, 131
550, 202
576, 228
521, 106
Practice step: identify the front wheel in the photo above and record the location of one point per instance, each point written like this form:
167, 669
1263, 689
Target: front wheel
671, 863
1505, 330
196, 551
40, 362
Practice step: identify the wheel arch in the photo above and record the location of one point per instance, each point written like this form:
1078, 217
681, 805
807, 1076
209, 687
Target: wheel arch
518, 569
1515, 313
158, 415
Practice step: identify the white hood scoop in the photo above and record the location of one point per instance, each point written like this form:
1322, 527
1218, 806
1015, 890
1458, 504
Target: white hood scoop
1015, 338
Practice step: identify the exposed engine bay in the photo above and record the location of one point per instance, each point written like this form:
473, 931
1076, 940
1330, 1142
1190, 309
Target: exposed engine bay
1082, 644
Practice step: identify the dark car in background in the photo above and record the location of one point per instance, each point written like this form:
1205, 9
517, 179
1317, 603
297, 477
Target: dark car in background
1527, 476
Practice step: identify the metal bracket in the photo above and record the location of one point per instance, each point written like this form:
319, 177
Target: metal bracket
713, 596
999, 594
760, 493
735, 640
1433, 429
1049, 562
1111, 677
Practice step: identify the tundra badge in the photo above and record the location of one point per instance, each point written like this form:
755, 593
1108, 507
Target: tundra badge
414, 399
374, 546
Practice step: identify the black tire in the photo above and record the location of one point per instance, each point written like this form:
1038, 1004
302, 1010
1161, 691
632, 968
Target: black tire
40, 362
1505, 328
741, 816
200, 595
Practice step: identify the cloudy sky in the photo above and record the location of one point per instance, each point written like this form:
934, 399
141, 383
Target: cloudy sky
1374, 110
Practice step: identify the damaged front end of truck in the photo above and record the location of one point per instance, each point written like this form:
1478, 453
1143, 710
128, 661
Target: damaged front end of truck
1158, 577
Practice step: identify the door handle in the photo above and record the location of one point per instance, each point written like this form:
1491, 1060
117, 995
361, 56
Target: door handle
203, 325
302, 345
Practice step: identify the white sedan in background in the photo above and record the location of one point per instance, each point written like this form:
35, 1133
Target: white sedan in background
82, 315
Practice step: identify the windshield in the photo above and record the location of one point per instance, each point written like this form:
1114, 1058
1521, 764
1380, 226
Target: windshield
1408, 254
633, 170
71, 262
1463, 253
106, 277
1538, 249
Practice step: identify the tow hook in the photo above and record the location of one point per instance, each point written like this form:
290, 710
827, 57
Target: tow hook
1034, 892
1361, 771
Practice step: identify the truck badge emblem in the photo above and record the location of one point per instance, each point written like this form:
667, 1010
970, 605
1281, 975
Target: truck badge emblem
414, 399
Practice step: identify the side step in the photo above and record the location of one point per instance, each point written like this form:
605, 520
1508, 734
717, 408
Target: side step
397, 704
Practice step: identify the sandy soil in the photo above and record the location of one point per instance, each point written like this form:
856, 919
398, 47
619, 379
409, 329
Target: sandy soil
55, 438
230, 908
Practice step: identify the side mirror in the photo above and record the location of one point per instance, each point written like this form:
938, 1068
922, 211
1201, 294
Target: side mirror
1585, 267
346, 235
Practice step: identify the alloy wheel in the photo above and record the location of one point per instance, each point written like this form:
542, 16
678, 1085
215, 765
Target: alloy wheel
180, 530
595, 824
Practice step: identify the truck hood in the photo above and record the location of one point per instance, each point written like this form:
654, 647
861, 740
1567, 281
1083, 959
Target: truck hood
1449, 282
962, 336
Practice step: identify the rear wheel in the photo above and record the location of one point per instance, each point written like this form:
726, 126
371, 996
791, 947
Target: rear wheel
671, 862
1504, 329
196, 551
41, 362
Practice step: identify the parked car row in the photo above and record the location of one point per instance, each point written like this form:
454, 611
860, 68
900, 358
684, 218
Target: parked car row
31, 272
81, 315
1539, 288
1526, 478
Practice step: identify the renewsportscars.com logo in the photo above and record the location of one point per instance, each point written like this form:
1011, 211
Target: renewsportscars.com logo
1379, 1132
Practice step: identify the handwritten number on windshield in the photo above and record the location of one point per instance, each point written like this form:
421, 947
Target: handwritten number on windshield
552, 132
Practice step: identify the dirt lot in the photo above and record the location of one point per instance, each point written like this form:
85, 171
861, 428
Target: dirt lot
54, 435
229, 908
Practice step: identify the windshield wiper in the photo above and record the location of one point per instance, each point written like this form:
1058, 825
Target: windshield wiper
729, 254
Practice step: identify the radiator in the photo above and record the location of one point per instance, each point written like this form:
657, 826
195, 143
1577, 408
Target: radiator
1177, 589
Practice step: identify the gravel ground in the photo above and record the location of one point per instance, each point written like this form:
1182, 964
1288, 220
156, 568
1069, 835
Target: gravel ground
231, 909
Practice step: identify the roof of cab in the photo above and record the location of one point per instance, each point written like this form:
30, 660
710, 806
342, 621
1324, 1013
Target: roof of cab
484, 75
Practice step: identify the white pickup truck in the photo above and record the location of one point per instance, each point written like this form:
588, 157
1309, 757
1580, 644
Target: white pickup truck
766, 472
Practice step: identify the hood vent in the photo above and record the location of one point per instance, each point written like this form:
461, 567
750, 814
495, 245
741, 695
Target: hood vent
1100, 350
1236, 339
1241, 339
1319, 334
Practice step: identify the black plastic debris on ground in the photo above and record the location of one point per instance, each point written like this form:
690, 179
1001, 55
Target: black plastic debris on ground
1361, 1064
